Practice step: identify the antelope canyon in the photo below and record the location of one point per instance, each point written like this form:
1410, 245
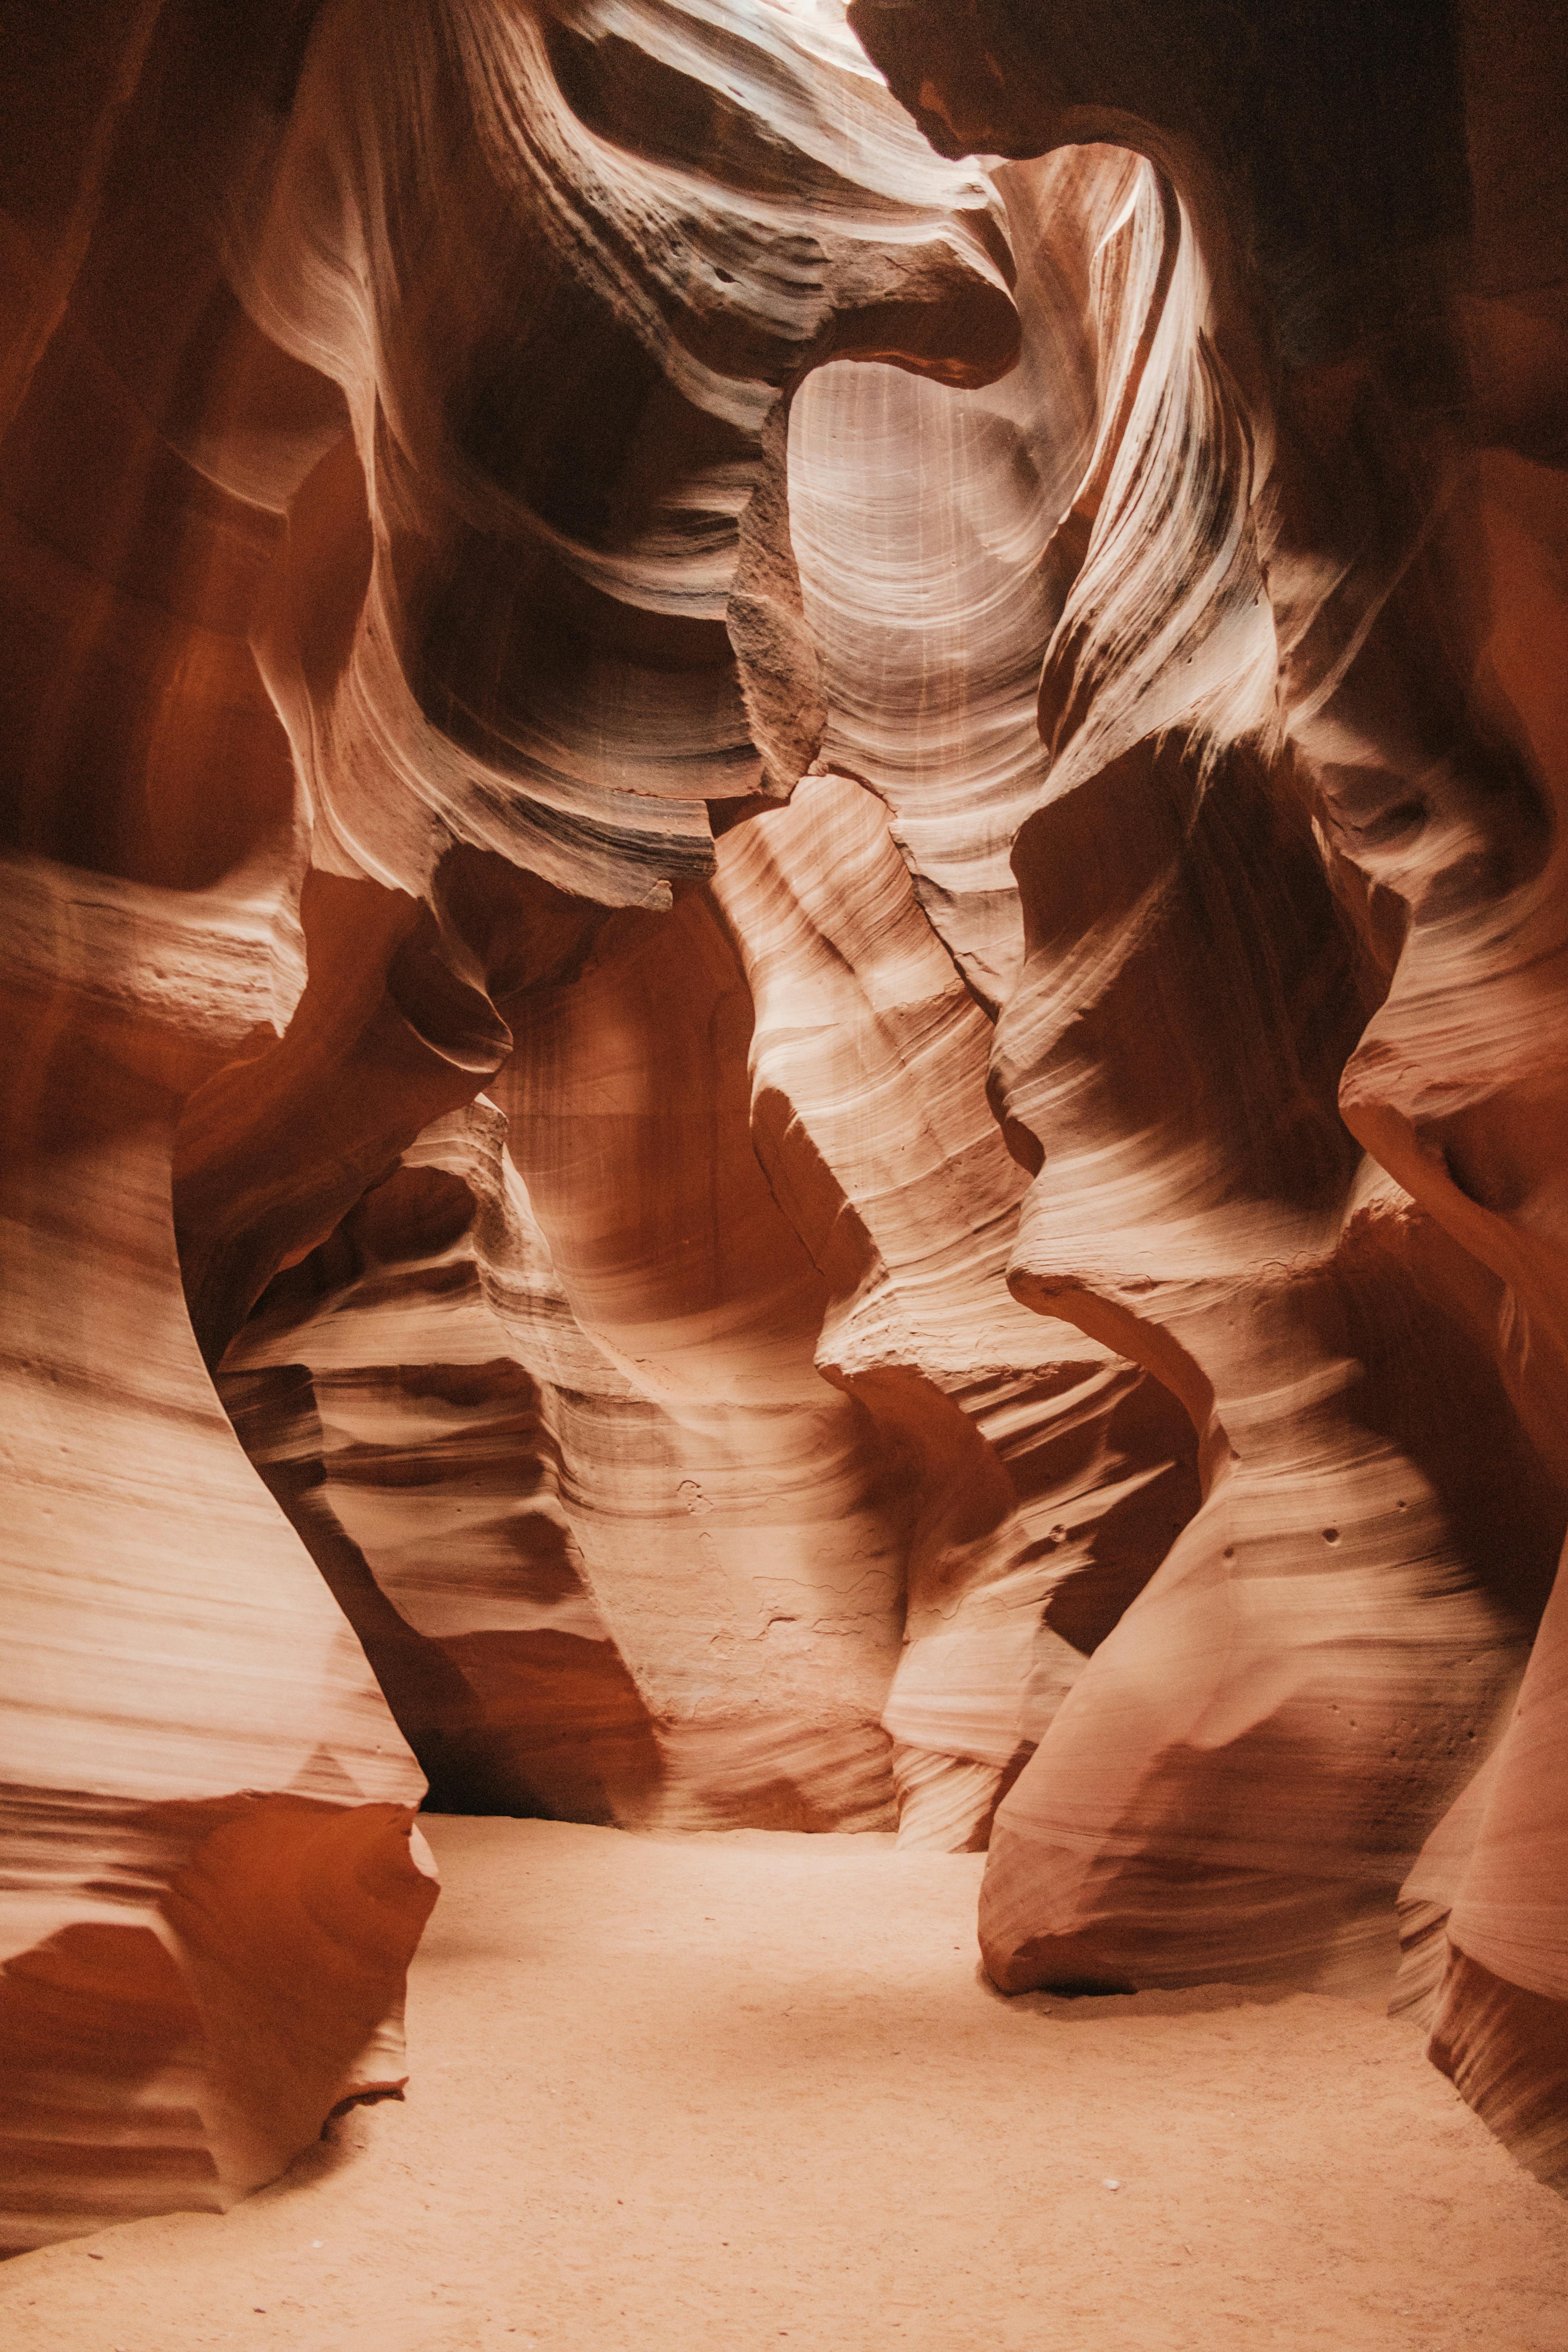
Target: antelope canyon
787, 976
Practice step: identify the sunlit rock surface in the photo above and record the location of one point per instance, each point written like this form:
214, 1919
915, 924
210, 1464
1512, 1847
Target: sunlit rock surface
1316, 594
783, 955
396, 566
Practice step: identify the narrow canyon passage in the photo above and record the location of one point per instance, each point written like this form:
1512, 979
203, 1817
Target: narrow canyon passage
748, 2090
784, 1013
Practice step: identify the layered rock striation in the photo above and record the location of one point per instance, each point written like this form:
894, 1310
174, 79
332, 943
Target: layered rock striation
1314, 592
781, 951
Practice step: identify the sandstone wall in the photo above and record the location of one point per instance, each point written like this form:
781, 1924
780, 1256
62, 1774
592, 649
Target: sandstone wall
784, 959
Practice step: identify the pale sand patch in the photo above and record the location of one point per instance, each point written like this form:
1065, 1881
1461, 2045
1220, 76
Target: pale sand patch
746, 2092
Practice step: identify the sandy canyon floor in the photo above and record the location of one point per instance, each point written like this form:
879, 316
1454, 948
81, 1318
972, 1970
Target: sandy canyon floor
751, 2091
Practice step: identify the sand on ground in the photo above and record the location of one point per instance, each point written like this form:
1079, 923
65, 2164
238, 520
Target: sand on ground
740, 2092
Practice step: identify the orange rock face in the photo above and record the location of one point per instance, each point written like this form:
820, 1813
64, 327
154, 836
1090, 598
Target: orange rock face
783, 960
1304, 721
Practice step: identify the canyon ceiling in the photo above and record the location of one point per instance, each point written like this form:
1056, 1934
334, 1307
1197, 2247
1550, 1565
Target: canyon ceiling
786, 970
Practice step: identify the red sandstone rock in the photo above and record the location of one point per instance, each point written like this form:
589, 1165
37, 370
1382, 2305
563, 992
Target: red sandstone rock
1340, 436
850, 1070
1042, 1477
208, 1812
292, 297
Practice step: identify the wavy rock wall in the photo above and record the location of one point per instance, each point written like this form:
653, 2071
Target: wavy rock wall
213, 1885
364, 659
847, 1071
1314, 596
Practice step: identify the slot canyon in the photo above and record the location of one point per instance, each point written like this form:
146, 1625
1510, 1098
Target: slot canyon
783, 1175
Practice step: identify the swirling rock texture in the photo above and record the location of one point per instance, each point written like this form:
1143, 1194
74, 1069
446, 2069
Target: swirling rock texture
365, 659
1308, 646
746, 1091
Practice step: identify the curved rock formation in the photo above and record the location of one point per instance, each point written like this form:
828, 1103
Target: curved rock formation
212, 1890
212, 1887
1337, 431
1044, 1477
797, 901
289, 436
